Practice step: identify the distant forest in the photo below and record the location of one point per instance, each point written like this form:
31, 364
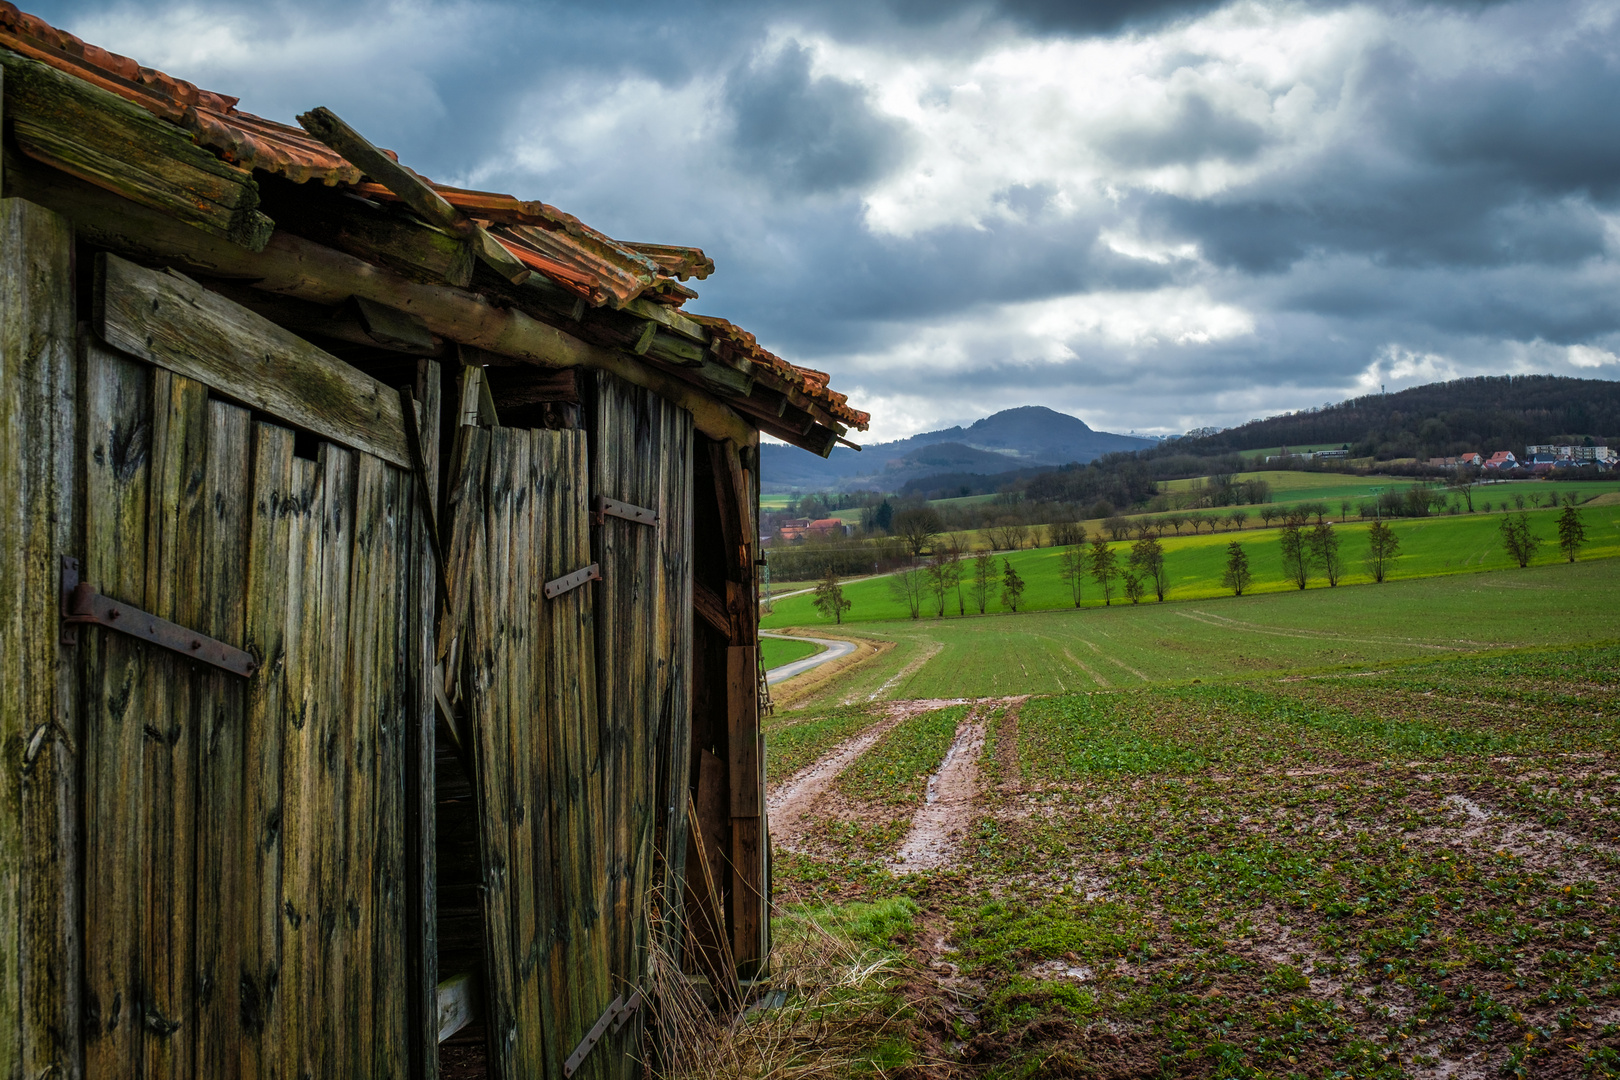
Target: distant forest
1484, 414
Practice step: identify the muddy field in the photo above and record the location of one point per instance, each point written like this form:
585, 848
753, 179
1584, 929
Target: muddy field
1403, 872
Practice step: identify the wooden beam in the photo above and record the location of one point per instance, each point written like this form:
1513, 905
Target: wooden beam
711, 608
159, 317
292, 266
706, 919
326, 126
102, 139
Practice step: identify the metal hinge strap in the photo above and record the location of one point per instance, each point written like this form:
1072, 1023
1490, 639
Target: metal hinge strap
563, 584
82, 605
627, 1010
592, 1037
606, 508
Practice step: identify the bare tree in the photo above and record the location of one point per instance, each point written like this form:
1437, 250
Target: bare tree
1324, 543
909, 586
953, 547
1072, 564
1520, 542
1147, 560
984, 571
1117, 527
1383, 547
1296, 554
1238, 517
1268, 513
829, 597
1104, 568
917, 526
1174, 521
1133, 587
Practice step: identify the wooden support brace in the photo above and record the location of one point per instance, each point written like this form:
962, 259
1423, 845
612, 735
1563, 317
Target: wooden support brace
326, 126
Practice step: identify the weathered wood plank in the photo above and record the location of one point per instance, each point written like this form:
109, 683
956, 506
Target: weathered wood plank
747, 863
99, 137
298, 1007
420, 576
365, 699
224, 856
117, 434
329, 799
270, 579
39, 975
174, 563
160, 317
482, 564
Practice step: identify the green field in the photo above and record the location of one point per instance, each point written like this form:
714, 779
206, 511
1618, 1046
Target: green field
1432, 546
775, 651
1055, 652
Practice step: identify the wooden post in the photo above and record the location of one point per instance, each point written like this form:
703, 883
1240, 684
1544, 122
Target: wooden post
747, 861
40, 1011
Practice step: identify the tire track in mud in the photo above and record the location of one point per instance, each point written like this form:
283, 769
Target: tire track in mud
790, 803
953, 792
914, 665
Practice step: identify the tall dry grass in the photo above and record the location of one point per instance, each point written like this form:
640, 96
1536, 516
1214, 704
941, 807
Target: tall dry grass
832, 1007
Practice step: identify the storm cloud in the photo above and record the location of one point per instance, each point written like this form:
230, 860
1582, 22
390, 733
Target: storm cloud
1156, 214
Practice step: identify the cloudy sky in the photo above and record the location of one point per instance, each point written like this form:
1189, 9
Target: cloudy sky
1154, 214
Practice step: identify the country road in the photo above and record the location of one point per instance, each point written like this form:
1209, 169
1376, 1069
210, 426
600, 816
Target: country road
832, 649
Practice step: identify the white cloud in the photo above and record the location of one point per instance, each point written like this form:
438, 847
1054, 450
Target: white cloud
1398, 367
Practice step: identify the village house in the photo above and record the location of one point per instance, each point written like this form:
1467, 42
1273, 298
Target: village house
379, 566
1502, 459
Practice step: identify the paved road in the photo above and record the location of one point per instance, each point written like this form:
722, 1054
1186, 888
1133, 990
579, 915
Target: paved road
832, 649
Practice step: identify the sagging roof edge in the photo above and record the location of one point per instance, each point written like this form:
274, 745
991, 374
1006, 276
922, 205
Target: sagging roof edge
636, 279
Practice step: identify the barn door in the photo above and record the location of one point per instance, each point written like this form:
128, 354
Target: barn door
642, 482
537, 749
245, 878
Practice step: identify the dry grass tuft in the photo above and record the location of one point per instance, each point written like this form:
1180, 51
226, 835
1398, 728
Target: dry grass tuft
833, 1007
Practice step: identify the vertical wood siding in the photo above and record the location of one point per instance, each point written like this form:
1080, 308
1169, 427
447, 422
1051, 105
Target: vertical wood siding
39, 725
245, 869
643, 625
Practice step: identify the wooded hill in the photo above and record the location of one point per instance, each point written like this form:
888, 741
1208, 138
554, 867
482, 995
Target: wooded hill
1484, 414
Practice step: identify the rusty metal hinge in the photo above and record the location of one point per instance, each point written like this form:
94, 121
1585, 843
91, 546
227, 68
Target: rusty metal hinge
593, 1036
82, 605
606, 508
563, 584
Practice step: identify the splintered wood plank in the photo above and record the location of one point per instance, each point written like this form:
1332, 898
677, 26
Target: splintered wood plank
333, 933
174, 563
40, 978
465, 522
224, 855
298, 1004
365, 701
272, 508
160, 317
484, 563
117, 434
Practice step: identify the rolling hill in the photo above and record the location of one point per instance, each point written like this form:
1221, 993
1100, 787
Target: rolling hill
1031, 436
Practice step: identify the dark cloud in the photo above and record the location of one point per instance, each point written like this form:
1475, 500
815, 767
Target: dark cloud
1195, 131
808, 135
1462, 208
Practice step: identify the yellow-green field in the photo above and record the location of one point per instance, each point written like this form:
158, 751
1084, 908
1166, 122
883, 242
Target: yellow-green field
1432, 546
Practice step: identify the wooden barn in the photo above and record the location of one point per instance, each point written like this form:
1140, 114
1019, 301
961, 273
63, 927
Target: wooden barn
379, 682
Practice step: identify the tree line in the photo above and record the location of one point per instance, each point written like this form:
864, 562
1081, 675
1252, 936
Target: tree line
953, 576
